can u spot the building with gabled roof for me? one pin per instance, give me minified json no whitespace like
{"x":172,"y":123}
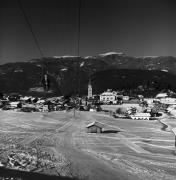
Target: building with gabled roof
{"x":141,"y":116}
{"x":161,"y":95}
{"x":94,"y":127}
{"x":108,"y":96}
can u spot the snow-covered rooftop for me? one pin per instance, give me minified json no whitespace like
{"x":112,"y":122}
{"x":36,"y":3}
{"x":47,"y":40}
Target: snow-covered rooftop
{"x":142,"y":114}
{"x":112,"y":53}
{"x":164,"y":70}
{"x":87,"y":57}
{"x":95,"y":123}
{"x":64,"y":69}
{"x":82,"y":64}
{"x":150,"y":57}
{"x":161,"y":95}
{"x":65,"y":56}
{"x":108,"y":93}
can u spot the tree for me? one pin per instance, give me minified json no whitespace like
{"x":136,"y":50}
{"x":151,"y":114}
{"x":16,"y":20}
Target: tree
{"x":119,"y":111}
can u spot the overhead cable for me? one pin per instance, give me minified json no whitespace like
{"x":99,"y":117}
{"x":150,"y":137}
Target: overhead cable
{"x":30,"y":28}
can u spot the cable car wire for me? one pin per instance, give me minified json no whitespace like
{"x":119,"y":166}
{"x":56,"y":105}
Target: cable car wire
{"x":78,"y":46}
{"x":44,"y":66}
{"x":30,"y":28}
{"x":79,"y":27}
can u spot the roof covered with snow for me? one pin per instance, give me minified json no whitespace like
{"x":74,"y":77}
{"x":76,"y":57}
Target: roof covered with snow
{"x":112,"y":53}
{"x":65,"y":56}
{"x":95,"y":123}
{"x":161,"y":95}
{"x":142,"y":115}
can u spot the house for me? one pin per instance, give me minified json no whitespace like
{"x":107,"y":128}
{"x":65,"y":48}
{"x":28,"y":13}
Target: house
{"x":108,"y":96}
{"x":15,"y":104}
{"x":40,"y":101}
{"x":94,"y":127}
{"x":168,"y":100}
{"x":149,"y":100}
{"x":141,"y":97}
{"x":45,"y":108}
{"x":126,"y":98}
{"x":148,"y":110}
{"x":92,"y":110}
{"x":161,"y":95}
{"x":141,"y":116}
{"x":131,"y":110}
{"x":24,"y":99}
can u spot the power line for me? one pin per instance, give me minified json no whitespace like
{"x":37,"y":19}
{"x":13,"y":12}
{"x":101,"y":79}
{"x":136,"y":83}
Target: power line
{"x":78,"y":46}
{"x":44,"y":66}
{"x":79,"y":27}
{"x":31,"y":29}
{"x":78,"y":53}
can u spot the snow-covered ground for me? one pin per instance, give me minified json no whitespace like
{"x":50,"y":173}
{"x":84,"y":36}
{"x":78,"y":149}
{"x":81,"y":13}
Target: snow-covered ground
{"x":128,"y":149}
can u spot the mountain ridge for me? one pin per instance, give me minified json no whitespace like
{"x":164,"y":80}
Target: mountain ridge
{"x":64,"y":71}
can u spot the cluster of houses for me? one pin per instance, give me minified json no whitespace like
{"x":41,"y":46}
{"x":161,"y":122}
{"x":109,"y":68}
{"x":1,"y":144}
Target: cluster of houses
{"x":152,"y":107}
{"x":162,"y":101}
{"x":29,"y":103}
{"x":87,"y":103}
{"x":118,"y":97}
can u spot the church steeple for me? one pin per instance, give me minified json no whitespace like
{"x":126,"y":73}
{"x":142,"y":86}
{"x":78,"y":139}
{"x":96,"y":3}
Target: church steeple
{"x":89,"y":88}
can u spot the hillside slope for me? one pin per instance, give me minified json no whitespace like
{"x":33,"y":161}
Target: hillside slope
{"x":64,"y":72}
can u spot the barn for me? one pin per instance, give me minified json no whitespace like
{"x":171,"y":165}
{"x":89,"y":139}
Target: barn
{"x":94,"y":127}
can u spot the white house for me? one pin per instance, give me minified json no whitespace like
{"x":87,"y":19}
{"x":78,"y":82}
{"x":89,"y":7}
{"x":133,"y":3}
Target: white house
{"x":126,"y":98}
{"x":149,"y":100}
{"x":108,"y":96}
{"x":45,"y":108}
{"x":40,"y":101}
{"x":161,"y":95}
{"x":15,"y":104}
{"x":141,"y":116}
{"x":168,"y":100}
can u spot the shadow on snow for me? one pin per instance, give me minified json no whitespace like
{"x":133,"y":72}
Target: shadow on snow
{"x":23,"y":175}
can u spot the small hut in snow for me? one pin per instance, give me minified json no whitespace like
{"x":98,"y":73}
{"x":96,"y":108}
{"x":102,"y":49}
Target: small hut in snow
{"x":94,"y":127}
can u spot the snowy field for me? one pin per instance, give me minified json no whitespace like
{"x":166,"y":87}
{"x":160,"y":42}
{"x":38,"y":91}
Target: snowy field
{"x":57,"y":144}
{"x":122,"y":106}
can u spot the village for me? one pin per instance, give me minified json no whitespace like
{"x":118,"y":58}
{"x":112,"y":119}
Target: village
{"x":109,"y":106}
{"x":112,"y":102}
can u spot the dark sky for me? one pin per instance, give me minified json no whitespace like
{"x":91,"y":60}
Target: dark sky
{"x":135,"y":27}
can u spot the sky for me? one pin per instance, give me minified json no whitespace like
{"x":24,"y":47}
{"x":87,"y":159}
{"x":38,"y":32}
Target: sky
{"x":134,"y":27}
